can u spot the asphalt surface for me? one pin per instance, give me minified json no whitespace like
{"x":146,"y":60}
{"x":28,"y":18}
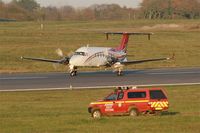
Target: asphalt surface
{"x":45,"y":81}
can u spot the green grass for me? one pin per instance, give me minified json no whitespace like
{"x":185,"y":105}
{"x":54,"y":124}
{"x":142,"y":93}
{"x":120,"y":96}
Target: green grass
{"x":66,"y":111}
{"x":27,"y":39}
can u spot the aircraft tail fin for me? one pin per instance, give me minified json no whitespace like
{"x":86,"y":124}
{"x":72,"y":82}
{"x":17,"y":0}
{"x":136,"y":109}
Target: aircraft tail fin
{"x":125,"y":38}
{"x":123,"y":44}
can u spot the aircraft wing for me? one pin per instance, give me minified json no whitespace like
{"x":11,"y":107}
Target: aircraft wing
{"x":41,"y":59}
{"x":142,"y":61}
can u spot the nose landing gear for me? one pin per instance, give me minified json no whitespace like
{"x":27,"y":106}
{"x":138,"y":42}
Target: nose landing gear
{"x":73,"y":70}
{"x":73,"y":73}
{"x":119,"y":72}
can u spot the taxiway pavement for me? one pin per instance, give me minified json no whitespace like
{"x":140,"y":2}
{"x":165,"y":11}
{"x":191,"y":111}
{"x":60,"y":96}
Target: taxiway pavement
{"x":48,"y":81}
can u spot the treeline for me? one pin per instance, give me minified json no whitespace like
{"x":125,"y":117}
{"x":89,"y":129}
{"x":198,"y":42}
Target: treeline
{"x":149,"y":9}
{"x":162,"y":9}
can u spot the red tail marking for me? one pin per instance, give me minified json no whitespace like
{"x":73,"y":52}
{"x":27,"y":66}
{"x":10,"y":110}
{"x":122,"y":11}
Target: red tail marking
{"x":124,"y":42}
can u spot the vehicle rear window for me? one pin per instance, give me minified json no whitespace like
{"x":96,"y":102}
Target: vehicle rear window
{"x":157,"y":94}
{"x":136,"y":94}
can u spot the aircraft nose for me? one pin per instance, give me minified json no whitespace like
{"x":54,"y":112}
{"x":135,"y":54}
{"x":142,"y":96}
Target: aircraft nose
{"x":72,"y":60}
{"x":75,"y":60}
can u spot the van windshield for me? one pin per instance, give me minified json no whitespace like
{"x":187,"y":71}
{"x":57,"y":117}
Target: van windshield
{"x":157,"y":94}
{"x":113,"y":96}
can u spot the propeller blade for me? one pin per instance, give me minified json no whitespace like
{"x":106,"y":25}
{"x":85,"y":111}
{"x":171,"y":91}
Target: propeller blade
{"x":70,"y":54}
{"x":59,"y":52}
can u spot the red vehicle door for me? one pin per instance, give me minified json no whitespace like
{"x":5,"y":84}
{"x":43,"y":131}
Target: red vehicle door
{"x":114,"y":103}
{"x":109,"y":103}
{"x":119,"y":104}
{"x":139,"y":99}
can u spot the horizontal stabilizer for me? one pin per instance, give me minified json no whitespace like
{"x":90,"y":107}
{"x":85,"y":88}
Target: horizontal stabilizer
{"x":129,"y":33}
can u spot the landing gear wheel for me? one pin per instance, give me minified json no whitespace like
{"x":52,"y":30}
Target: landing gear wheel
{"x":96,"y":114}
{"x":133,"y":113}
{"x":73,"y":73}
{"x":119,"y":73}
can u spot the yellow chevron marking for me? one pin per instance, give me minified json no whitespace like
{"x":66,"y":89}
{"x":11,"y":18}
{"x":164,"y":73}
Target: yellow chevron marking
{"x":165,"y":104}
{"x":162,"y":104}
{"x":153,"y":104}
{"x":156,"y":104}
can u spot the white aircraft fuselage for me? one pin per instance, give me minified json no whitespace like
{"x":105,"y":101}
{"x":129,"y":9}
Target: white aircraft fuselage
{"x":95,"y":56}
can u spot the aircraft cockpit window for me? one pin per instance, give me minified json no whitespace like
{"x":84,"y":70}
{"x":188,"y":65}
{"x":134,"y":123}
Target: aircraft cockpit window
{"x":80,"y":53}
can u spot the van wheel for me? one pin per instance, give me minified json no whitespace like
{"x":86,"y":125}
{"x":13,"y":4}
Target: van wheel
{"x":96,"y":114}
{"x":133,"y":112}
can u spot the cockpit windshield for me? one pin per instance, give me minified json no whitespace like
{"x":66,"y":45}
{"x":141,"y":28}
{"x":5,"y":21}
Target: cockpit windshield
{"x":80,"y":53}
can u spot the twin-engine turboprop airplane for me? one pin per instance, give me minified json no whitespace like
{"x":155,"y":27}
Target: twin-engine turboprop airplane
{"x":100,"y":56}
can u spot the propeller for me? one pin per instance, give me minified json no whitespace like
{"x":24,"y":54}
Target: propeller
{"x":110,"y":59}
{"x":59,"y":52}
{"x":70,"y":54}
{"x":65,"y":59}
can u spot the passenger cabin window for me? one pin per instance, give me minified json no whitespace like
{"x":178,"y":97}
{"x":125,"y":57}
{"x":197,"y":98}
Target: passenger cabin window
{"x":136,"y":94}
{"x":157,"y":94}
{"x":80,"y":53}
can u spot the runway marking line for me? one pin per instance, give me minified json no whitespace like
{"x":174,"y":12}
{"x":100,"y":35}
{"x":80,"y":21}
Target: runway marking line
{"x":18,"y":78}
{"x":95,"y":87}
{"x":166,"y":73}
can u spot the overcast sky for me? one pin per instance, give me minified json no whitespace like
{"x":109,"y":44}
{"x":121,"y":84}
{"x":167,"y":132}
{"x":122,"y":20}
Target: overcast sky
{"x":86,"y":3}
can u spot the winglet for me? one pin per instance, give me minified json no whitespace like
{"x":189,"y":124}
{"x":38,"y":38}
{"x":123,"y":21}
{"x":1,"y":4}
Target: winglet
{"x":173,"y":56}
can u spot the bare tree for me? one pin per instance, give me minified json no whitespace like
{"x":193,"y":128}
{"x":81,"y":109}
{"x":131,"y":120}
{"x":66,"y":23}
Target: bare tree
{"x":67,"y":12}
{"x":159,"y":9}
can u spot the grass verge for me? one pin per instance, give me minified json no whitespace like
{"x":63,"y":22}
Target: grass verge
{"x":66,"y":111}
{"x":27,"y":39}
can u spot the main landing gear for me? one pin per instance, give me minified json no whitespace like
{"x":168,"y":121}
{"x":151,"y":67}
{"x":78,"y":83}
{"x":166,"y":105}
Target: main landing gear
{"x":119,"y":72}
{"x":118,"y":67}
{"x":73,"y":73}
{"x":73,"y":70}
